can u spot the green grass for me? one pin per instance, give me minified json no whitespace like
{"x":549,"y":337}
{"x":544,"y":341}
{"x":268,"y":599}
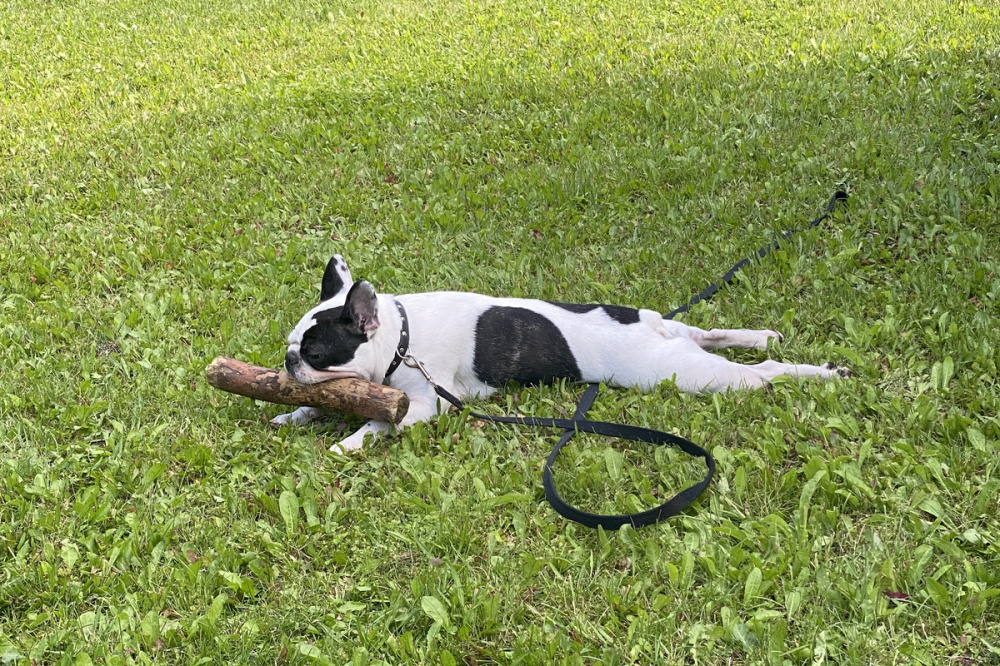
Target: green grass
{"x":175,"y":174}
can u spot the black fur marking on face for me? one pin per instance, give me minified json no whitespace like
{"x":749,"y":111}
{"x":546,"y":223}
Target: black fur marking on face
{"x":620,"y":314}
{"x":331,"y":342}
{"x":516,"y":344}
{"x":332,"y":282}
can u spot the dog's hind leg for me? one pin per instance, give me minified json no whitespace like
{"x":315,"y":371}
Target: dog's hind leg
{"x":724,"y":375}
{"x":720,"y":338}
{"x":695,"y":370}
{"x":771,"y":369}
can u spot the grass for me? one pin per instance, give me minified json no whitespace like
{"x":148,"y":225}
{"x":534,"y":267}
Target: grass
{"x":175,"y":174}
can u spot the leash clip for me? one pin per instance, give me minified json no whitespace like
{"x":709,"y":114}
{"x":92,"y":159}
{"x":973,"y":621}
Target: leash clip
{"x":411,"y":362}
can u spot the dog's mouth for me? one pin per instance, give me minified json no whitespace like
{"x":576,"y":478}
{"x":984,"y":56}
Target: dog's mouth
{"x":313,"y":376}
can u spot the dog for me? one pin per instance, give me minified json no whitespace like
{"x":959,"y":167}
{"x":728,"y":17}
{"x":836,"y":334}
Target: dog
{"x":472,"y":345}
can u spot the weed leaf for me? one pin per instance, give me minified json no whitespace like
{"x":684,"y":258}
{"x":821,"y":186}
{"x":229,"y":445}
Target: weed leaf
{"x":509,"y":498}
{"x":752,"y":586}
{"x":435,"y":610}
{"x":613,"y":461}
{"x":802,"y":522}
{"x":288,"y":504}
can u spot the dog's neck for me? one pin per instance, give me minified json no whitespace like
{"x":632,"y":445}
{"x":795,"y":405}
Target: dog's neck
{"x":386,"y":338}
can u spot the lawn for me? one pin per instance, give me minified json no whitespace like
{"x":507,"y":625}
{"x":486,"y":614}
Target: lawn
{"x":176,"y":173}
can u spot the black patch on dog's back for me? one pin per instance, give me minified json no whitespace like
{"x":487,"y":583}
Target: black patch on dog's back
{"x":520,"y":345}
{"x":619,"y":313}
{"x":330,"y":342}
{"x":576,"y":307}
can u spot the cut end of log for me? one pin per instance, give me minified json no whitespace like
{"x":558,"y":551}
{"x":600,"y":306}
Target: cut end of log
{"x":355,"y":396}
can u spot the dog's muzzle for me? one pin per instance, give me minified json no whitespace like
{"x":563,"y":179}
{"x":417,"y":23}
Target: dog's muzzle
{"x":292,"y":360}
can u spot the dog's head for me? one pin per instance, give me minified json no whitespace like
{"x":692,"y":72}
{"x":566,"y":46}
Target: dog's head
{"x":334,"y":338}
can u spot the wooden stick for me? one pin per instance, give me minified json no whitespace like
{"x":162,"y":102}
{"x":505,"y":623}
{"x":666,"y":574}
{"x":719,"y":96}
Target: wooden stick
{"x":357,"y":396}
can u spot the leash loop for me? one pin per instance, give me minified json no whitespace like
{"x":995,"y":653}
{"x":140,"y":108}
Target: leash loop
{"x":579,"y":423}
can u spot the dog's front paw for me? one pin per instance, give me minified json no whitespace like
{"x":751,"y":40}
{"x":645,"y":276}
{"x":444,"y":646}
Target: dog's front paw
{"x":282,"y":420}
{"x":835,"y":370}
{"x":348,"y":444}
{"x":357,"y":440}
{"x":300,"y":416}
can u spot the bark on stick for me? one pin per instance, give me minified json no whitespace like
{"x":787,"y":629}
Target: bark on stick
{"x":357,"y":396}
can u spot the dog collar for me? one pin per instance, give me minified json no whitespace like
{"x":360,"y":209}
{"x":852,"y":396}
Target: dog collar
{"x":404,"y":341}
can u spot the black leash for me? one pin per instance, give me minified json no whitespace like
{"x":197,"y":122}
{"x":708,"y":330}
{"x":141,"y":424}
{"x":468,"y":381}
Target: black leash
{"x":580,"y":422}
{"x":838,"y":197}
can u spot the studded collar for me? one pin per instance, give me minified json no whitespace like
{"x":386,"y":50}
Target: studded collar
{"x":404,"y":341}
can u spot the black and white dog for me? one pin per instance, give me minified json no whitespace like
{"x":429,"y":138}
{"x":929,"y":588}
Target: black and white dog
{"x":473,"y":344}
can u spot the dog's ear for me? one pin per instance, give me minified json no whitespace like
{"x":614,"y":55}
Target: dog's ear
{"x":336,"y":278}
{"x":361,"y":308}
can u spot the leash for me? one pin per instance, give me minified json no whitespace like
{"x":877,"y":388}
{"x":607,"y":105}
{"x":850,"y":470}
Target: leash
{"x":580,"y":422}
{"x":839,"y":196}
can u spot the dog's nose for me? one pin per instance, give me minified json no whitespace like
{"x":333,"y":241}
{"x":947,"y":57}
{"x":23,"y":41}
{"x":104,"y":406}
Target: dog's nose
{"x":292,"y":359}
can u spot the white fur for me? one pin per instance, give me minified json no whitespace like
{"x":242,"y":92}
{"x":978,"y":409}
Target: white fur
{"x":442,"y":337}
